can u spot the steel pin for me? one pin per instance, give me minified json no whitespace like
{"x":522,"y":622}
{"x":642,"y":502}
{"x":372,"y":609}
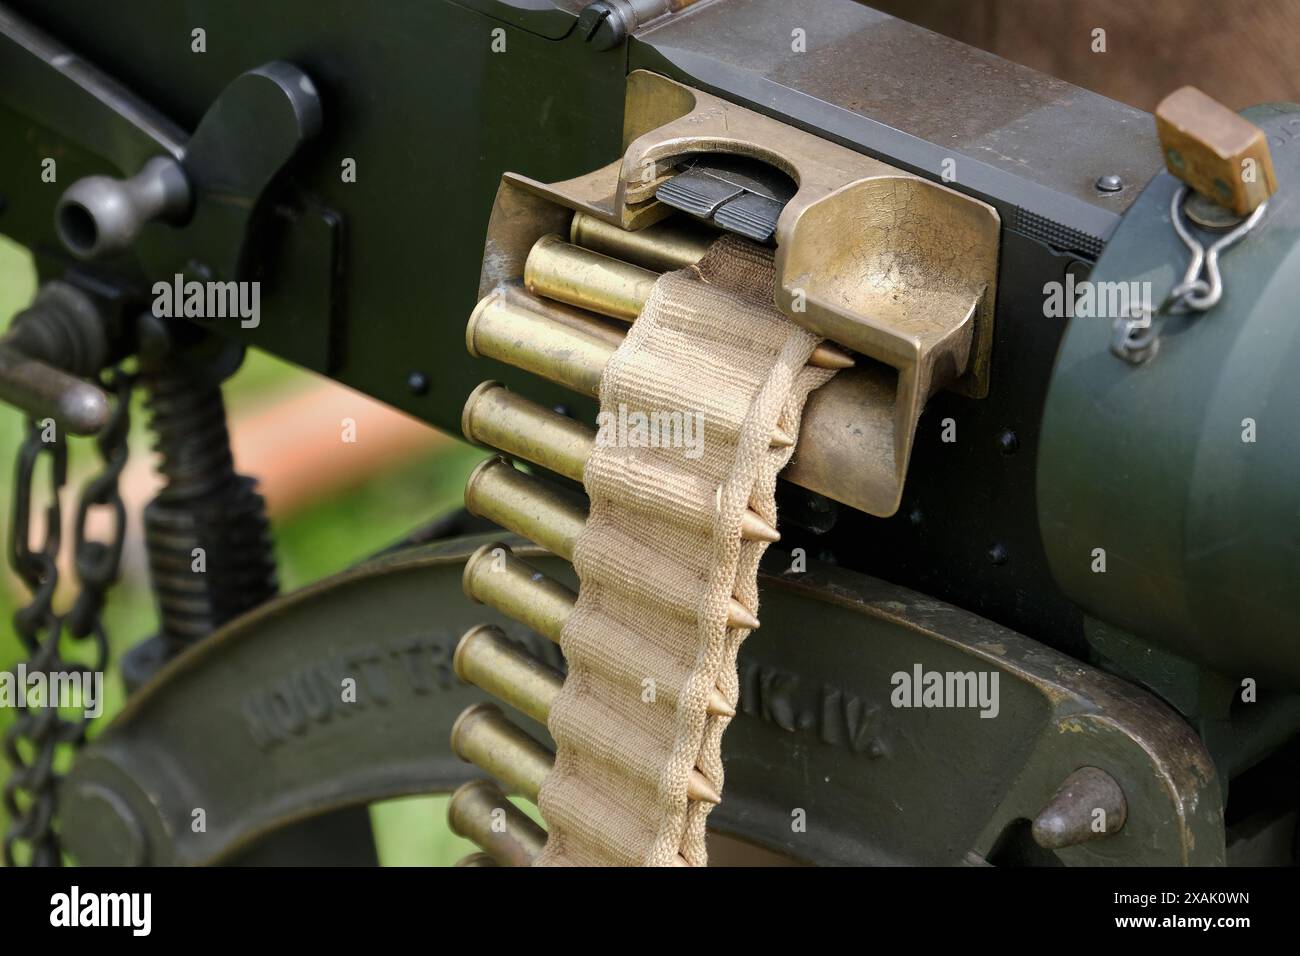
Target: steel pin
{"x":1068,"y":818}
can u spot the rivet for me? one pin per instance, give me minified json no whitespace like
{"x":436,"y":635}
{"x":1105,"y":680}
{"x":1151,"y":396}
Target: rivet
{"x":418,"y":383}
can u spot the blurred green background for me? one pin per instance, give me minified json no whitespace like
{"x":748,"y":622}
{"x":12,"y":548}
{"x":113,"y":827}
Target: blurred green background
{"x":314,"y":542}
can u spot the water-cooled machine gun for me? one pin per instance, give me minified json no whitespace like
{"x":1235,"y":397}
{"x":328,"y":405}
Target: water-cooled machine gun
{"x":1032,"y":594}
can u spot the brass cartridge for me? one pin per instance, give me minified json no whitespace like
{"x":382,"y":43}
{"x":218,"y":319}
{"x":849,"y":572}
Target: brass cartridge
{"x":475,"y":813}
{"x":663,"y":247}
{"x":495,"y":577}
{"x":490,"y":661}
{"x":567,"y":273}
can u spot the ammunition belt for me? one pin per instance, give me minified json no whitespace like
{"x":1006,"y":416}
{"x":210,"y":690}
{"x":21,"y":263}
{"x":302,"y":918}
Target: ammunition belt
{"x":662,"y":563}
{"x":700,"y":405}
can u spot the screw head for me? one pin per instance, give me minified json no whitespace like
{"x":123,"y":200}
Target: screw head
{"x":1008,"y":442}
{"x":998,"y":555}
{"x":601,"y":25}
{"x":418,"y":383}
{"x":1109,"y":183}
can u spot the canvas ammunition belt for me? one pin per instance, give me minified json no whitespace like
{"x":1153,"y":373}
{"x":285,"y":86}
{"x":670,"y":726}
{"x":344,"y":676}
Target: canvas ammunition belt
{"x":689,"y":403}
{"x":700,"y":404}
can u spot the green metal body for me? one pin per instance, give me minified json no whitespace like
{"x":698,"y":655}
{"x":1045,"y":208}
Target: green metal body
{"x":370,"y":283}
{"x":251,"y":726}
{"x":1186,"y":470}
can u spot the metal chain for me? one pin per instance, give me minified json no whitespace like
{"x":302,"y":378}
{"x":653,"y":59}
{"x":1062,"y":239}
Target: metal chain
{"x":1135,"y":338}
{"x":33,"y":741}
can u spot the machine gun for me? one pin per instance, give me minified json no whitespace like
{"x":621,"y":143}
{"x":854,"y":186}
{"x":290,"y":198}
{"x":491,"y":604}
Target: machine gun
{"x":1034,"y":596}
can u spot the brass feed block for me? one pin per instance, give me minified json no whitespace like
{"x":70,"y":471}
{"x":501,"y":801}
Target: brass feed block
{"x":880,"y":262}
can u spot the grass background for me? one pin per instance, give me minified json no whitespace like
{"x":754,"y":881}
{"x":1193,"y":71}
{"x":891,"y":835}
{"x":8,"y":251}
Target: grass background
{"x":309,"y":545}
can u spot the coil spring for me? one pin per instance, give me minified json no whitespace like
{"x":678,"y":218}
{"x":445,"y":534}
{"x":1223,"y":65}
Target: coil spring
{"x":208,"y":538}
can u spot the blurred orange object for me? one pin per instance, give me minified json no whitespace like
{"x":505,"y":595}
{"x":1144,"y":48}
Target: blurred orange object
{"x":304,"y":447}
{"x":313,"y":444}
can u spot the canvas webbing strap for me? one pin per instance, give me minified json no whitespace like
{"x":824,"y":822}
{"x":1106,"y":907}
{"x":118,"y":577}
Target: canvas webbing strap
{"x":712,"y":361}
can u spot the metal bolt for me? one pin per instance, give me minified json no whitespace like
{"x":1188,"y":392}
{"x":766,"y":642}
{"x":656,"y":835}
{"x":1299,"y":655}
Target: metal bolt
{"x":418,"y":383}
{"x":1109,"y":183}
{"x":1008,"y":442}
{"x":601,"y":25}
{"x":998,"y":555}
{"x":1087,"y":796}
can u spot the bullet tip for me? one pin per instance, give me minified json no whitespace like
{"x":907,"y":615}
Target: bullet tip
{"x":719,"y":707}
{"x":754,"y":528}
{"x":828,"y":356}
{"x":741,"y":616}
{"x":699,"y":788}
